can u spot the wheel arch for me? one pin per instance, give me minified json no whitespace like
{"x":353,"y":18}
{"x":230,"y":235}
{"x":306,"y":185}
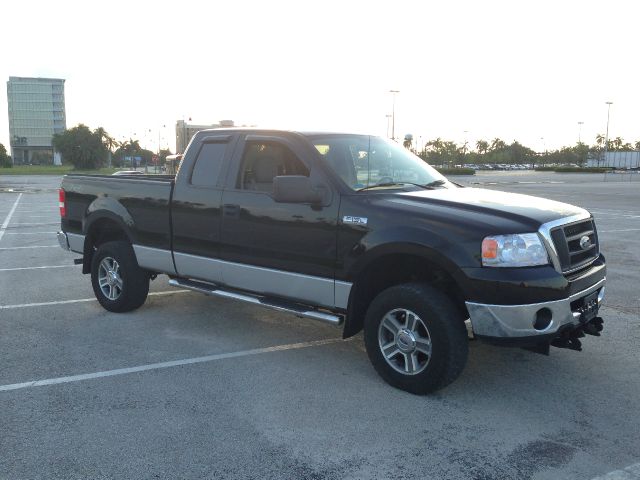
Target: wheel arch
{"x":101,"y":227}
{"x":396,"y":264}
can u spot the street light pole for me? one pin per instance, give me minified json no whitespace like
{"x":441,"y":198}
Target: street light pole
{"x":606,"y":137}
{"x":581,"y":158}
{"x":388,"y":116}
{"x":580,"y":132}
{"x":393,"y":114}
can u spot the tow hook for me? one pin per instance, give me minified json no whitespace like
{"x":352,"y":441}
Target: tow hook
{"x":594,"y":327}
{"x":570,"y":338}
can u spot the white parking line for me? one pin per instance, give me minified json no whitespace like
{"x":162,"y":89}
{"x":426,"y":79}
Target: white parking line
{"x":37,"y":268}
{"x":32,"y":246}
{"x":622,"y":230}
{"x":161,"y":365}
{"x":79,"y":300}
{"x":8,"y":219}
{"x":34,"y":224}
{"x":53,"y":212}
{"x":30,"y":233}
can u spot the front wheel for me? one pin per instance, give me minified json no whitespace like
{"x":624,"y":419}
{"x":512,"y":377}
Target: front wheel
{"x":119,"y":284}
{"x":415,"y":338}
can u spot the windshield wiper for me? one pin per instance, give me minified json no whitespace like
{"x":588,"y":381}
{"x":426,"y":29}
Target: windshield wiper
{"x":429,"y":186}
{"x":435,"y":183}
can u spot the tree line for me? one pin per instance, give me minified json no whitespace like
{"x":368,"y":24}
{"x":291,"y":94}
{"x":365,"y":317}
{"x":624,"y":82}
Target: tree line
{"x":91,"y":149}
{"x":87,"y":149}
{"x":5,"y":160}
{"x":497,"y":151}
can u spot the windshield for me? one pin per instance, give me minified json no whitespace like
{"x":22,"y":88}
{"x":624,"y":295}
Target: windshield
{"x":364,"y":162}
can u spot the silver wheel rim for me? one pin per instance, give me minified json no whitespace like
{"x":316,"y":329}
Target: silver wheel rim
{"x":405,"y":341}
{"x":109,"y":278}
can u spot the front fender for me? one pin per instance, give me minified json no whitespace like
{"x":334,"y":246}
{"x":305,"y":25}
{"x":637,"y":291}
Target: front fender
{"x":436,"y":248}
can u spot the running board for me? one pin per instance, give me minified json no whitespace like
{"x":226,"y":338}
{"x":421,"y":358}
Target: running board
{"x":299,"y":310}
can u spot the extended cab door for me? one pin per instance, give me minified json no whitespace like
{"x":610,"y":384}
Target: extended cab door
{"x":283,"y":249}
{"x":196,"y":206}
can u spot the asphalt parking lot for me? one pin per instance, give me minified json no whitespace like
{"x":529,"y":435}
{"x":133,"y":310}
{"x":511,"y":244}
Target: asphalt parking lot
{"x":194,"y":387}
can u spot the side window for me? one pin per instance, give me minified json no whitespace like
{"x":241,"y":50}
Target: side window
{"x":262,"y":161}
{"x":208,"y":164}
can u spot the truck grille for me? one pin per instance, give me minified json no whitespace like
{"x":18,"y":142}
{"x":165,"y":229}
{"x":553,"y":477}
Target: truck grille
{"x":575,"y":253}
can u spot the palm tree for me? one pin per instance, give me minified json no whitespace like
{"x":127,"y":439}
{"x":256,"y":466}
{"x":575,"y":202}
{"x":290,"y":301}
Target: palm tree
{"x":130,"y":148}
{"x":617,"y":143}
{"x":108,"y":141}
{"x":600,"y":140}
{"x":482,"y":146}
{"x":408,"y":140}
{"x":497,"y":144}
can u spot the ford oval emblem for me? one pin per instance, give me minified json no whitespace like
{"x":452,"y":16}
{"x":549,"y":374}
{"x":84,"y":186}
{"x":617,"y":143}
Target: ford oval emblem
{"x":585,"y":242}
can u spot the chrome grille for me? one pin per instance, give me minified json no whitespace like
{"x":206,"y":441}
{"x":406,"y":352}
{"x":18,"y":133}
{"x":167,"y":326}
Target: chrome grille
{"x":574,"y":251}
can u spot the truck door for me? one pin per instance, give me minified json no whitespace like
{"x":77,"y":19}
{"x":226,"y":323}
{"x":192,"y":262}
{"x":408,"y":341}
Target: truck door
{"x":196,"y":207}
{"x":283,"y":249}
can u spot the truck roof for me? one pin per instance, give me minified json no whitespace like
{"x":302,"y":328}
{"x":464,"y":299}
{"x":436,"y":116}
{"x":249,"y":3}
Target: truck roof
{"x":306,"y":133}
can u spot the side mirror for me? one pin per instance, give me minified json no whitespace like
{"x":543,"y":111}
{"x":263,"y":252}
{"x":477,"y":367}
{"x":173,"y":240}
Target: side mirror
{"x":295,"y":189}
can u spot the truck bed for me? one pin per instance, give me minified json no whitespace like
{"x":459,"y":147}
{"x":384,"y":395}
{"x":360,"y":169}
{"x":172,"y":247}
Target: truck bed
{"x":142,"y":202}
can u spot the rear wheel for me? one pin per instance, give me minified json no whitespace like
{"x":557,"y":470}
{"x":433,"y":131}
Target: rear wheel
{"x":415,"y":338}
{"x":119,"y":284}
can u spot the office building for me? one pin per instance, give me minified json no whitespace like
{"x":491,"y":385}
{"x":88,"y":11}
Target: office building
{"x":185,"y":131}
{"x":36,"y":112}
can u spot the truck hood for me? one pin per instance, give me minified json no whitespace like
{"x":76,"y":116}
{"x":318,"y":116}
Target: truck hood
{"x":525,"y":209}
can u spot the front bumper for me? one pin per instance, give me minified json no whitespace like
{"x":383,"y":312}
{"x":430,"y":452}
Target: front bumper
{"x":518,"y":321}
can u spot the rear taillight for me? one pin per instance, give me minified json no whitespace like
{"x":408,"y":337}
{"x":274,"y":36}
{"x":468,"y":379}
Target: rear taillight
{"x":62,"y":203}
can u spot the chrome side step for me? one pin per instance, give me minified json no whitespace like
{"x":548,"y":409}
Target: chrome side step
{"x":299,"y":310}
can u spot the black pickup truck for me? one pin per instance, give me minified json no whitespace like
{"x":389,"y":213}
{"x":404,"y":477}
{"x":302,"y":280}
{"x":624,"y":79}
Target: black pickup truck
{"x":353,"y":230}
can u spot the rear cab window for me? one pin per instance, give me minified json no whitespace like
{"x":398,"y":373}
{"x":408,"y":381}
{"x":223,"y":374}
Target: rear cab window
{"x":208,"y":164}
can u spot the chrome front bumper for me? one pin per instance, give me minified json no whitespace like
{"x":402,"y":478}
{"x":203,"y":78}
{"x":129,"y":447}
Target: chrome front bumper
{"x":517,"y":321}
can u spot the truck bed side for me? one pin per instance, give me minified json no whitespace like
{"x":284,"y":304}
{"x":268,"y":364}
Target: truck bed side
{"x":100,"y":205}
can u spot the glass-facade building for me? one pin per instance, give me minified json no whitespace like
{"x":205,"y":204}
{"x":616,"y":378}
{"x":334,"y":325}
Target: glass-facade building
{"x":36,"y":112}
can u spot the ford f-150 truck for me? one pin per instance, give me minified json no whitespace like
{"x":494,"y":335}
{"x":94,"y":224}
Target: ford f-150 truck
{"x":353,"y":230}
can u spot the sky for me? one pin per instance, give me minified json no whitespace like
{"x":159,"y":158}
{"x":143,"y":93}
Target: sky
{"x":465,"y":70}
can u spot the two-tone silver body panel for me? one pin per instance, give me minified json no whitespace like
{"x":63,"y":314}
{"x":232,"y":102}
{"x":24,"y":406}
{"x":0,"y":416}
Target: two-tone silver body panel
{"x":71,"y":242}
{"x":156,"y":259}
{"x":304,"y":288}
{"x":325,"y":292}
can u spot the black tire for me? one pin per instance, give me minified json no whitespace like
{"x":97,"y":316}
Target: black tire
{"x":445,"y":338}
{"x":133,"y":281}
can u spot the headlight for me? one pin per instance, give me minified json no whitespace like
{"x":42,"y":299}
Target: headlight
{"x":519,"y":250}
